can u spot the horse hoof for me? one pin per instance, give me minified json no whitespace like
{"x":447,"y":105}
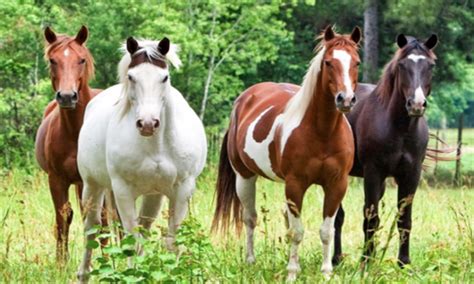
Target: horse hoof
{"x":169,"y":244}
{"x":403,"y":261}
{"x":337,"y":259}
{"x":82,"y":277}
{"x":327,"y":271}
{"x":250,"y":259}
{"x":291,"y":277}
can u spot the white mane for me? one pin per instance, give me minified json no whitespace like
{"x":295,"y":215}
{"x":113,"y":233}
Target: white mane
{"x":150,"y":48}
{"x":297,"y":106}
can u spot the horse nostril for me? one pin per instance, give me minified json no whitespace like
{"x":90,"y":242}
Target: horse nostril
{"x":74,"y":96}
{"x":425,"y":104}
{"x":353,"y":100}
{"x":58,"y":95}
{"x":339,"y":98}
{"x":139,"y":123}
{"x":409,"y":102}
{"x":156,"y":123}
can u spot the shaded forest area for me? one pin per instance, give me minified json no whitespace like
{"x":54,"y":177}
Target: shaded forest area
{"x":226,"y":46}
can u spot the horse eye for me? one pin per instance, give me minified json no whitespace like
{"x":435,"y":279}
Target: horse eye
{"x":328,"y":63}
{"x":82,"y":61}
{"x":131,"y":78}
{"x":358,"y":63}
{"x":165,"y":79}
{"x":52,"y":62}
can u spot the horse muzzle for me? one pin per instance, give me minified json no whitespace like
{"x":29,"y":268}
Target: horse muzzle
{"x":67,"y":100}
{"x":344,"y":103}
{"x":147,"y":127}
{"x":416,"y":108}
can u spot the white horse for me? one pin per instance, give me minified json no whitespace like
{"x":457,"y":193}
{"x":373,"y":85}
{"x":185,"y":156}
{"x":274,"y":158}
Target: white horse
{"x":140,"y":137}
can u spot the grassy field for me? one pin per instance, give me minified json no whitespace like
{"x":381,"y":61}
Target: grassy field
{"x":442,"y":237}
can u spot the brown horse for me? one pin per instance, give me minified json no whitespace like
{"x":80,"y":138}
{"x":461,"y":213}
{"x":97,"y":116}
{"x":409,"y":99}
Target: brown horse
{"x":71,"y":66}
{"x":391,"y":137}
{"x":295,"y":135}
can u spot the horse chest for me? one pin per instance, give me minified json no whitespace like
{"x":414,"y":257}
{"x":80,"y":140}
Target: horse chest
{"x":153,"y":173}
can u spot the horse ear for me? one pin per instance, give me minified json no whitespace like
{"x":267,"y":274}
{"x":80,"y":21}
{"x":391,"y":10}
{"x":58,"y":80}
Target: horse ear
{"x":81,"y":36}
{"x":431,"y":42}
{"x":328,"y":33}
{"x":401,"y":40}
{"x":356,"y":34}
{"x":164,"y":46}
{"x":49,"y":35}
{"x":132,"y":45}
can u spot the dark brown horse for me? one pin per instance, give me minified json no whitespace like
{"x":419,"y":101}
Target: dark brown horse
{"x":71,"y":66}
{"x":294,"y":135}
{"x":391,"y":137}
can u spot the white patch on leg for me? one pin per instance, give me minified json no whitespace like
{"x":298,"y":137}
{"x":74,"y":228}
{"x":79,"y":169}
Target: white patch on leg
{"x":246,"y":194}
{"x":295,"y":234}
{"x":259,"y":151}
{"x":326,"y":232}
{"x":419,"y":96}
{"x":416,"y":57}
{"x":66,"y":52}
{"x":345,"y":58}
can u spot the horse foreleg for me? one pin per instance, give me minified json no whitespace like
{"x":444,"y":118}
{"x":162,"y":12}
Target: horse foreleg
{"x":150,"y":209}
{"x":406,"y":192}
{"x":178,"y":210}
{"x":59,"y":192}
{"x":337,"y":257}
{"x":294,"y":191}
{"x":333,"y":195}
{"x":374,"y":189}
{"x":92,"y":200}
{"x":125,"y":201}
{"x":246,"y":193}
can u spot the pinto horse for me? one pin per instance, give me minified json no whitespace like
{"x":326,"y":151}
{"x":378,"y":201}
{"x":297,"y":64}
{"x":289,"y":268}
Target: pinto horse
{"x":71,"y":66}
{"x":140,"y":138}
{"x":391,"y":137}
{"x":294,"y":135}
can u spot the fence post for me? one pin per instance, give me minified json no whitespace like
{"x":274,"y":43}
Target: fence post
{"x":436,"y":152}
{"x":457,"y":175}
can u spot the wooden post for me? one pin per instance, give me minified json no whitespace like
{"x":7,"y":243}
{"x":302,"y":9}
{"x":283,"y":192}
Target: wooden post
{"x":436,"y":153}
{"x":457,"y":175}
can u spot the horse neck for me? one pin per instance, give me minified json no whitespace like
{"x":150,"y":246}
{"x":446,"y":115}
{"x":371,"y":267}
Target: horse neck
{"x":322,"y":115}
{"x":71,"y":119}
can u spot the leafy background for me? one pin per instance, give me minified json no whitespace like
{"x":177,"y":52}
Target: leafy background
{"x":225,"y":46}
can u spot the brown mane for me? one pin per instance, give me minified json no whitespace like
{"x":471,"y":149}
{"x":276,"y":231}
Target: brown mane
{"x":386,"y":83}
{"x":66,"y":41}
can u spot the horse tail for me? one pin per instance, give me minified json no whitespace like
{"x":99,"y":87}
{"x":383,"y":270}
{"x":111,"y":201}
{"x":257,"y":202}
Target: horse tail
{"x":441,"y":154}
{"x":228,"y":202}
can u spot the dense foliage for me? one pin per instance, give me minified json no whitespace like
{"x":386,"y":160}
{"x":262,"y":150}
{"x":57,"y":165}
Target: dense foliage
{"x":225,"y":46}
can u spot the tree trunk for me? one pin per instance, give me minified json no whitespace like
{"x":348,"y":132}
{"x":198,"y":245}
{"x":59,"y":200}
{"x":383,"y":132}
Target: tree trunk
{"x":371,"y":41}
{"x":210,"y":73}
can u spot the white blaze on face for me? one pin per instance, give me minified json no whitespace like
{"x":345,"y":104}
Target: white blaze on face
{"x":66,"y":52}
{"x":259,"y":151}
{"x":416,"y":57}
{"x":345,"y":59}
{"x":419,"y":96}
{"x":149,"y":90}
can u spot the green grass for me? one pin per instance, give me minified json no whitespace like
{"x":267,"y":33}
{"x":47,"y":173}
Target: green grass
{"x":441,"y":248}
